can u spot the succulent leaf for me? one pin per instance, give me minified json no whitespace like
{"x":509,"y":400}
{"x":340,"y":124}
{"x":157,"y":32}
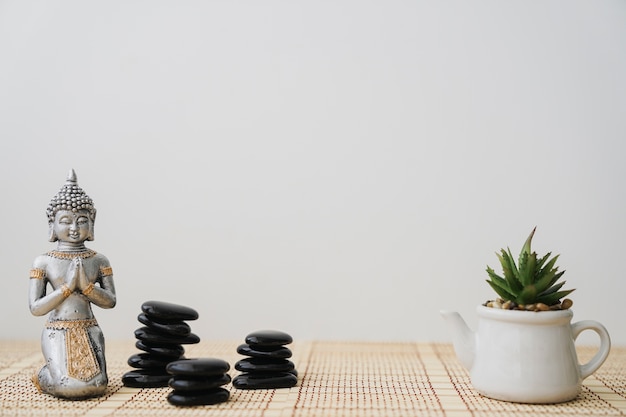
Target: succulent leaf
{"x":502,"y":291}
{"x":548,"y":267}
{"x":543,"y":260}
{"x":527,"y":296}
{"x":527,"y":267}
{"x":529,"y":239}
{"x":493,"y":274}
{"x":512,"y":265}
{"x":553,"y":298}
{"x":548,"y":280}
{"x":510,"y":273}
{"x":523,"y":268}
{"x":552,"y":289}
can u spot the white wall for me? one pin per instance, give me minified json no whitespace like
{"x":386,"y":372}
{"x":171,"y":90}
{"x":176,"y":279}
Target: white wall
{"x":335,"y":169}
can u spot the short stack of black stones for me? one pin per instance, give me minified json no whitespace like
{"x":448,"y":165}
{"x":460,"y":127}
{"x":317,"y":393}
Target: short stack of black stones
{"x":268,"y":365}
{"x":198,"y":381}
{"x":161,"y":340}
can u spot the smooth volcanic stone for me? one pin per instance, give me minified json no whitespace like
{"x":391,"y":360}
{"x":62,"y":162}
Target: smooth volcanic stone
{"x":146,"y":334}
{"x":185,"y":398}
{"x":147,"y":361}
{"x":264,"y":365}
{"x":146,"y":378}
{"x":198,"y":367}
{"x":187,"y":383}
{"x":168,"y":311}
{"x":264,"y":381}
{"x":268,"y":338}
{"x":176,"y":328}
{"x":171,"y":352}
{"x":279,"y":352}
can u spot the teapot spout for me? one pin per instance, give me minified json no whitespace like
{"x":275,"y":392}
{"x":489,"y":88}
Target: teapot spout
{"x":464,"y":339}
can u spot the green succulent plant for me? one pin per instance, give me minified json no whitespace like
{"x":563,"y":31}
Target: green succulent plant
{"x":532,"y":280}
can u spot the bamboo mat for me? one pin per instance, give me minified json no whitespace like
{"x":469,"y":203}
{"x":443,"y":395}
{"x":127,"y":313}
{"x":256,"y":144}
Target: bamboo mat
{"x":335,"y":379}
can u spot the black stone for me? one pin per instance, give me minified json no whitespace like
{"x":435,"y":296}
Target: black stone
{"x":198,"y":367}
{"x":146,"y":334}
{"x":172,"y":352}
{"x":268,"y":338}
{"x":145,"y":378}
{"x":187,"y":383}
{"x":264,"y":381}
{"x":186,"y":398}
{"x":168,"y":311}
{"x":264,"y":365}
{"x":147,"y":361}
{"x":279,"y":352}
{"x":176,"y":328}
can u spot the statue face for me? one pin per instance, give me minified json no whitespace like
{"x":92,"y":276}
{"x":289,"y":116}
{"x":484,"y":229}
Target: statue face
{"x":72,"y":227}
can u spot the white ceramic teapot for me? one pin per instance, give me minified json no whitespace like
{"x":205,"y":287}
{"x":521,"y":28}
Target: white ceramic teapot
{"x":524,"y":356}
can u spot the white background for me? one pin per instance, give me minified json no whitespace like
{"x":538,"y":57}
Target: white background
{"x":333,"y":169}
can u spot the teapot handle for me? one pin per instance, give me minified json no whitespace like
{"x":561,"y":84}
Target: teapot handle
{"x":605,"y":345}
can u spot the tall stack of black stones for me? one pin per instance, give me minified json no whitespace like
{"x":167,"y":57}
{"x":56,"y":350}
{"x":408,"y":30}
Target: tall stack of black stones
{"x":198,"y":381}
{"x":161,"y":339}
{"x":267,"y":365}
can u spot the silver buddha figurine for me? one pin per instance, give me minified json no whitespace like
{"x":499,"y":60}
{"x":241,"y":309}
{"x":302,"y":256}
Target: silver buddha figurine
{"x":65,"y":282}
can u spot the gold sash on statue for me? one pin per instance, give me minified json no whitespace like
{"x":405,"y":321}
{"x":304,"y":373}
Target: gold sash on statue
{"x":81,"y":359}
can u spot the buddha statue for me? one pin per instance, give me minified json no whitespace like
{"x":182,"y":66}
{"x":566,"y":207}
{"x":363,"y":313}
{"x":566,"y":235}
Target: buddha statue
{"x":65,"y":282}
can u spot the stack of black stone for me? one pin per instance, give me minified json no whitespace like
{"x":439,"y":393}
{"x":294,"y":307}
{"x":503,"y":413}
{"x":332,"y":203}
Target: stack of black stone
{"x":161,"y":340}
{"x":198,"y":381}
{"x":268,"y":365}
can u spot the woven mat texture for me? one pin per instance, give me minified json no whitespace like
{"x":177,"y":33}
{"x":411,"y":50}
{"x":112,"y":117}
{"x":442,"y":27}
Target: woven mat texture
{"x":335,"y":379}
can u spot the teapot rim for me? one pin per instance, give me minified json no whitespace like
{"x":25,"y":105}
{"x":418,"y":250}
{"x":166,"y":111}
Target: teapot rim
{"x":521,"y":316}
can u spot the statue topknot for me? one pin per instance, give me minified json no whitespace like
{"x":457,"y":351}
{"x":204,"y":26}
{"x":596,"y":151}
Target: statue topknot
{"x":70,"y":197}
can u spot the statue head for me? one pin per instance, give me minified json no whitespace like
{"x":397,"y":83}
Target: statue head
{"x":71,"y":203}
